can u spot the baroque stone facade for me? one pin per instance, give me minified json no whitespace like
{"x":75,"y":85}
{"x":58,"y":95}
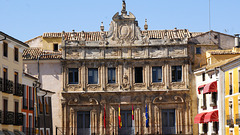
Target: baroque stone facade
{"x":133,"y":55}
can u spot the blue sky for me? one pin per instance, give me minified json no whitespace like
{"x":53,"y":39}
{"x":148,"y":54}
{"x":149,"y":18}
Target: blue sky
{"x":26,"y":19}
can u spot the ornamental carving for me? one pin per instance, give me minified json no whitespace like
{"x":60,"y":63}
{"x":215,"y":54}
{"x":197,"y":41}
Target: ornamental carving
{"x":125,"y":84}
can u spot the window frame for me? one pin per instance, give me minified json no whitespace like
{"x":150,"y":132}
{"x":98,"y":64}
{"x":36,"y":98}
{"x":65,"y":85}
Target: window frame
{"x":175,"y":67}
{"x":135,"y":75}
{"x":5,"y":49}
{"x":230,"y":83}
{"x":198,"y":50}
{"x":16,"y":54}
{"x":91,"y":78}
{"x":55,"y":49}
{"x":111,"y":70}
{"x":74,"y":72}
{"x":153,"y":79}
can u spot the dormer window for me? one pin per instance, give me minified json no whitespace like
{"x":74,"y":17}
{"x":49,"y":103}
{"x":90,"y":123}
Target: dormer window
{"x":55,"y":47}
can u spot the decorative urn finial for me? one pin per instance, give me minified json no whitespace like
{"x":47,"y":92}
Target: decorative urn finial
{"x":102,"y":27}
{"x":146,"y":25}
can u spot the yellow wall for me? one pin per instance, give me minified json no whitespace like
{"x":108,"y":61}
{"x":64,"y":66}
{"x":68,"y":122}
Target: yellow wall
{"x":48,"y":43}
{"x":233,"y":97}
{"x":12,"y":66}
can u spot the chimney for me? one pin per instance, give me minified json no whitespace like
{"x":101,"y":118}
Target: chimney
{"x":236,"y":40}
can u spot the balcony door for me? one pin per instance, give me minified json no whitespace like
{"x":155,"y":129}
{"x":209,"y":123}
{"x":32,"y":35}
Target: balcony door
{"x":83,"y":123}
{"x":168,"y":121}
{"x":127,"y":129}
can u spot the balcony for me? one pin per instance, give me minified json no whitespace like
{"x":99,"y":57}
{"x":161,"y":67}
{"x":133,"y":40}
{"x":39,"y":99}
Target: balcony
{"x":25,"y":101}
{"x":18,"y":119}
{"x":18,"y":91}
{"x":8,"y":118}
{"x":237,"y":116}
{"x":230,"y":121}
{"x":7,"y":86}
{"x":31,"y":107}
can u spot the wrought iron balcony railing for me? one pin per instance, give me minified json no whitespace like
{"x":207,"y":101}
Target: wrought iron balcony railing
{"x":18,"y":91}
{"x":7,"y":86}
{"x":237,"y":116}
{"x":18,"y":119}
{"x":230,"y":121}
{"x":8,"y":118}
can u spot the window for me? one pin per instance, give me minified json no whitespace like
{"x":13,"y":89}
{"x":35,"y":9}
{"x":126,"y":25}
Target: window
{"x":214,"y":99}
{"x":5,"y":78}
{"x":205,"y":127}
{"x":203,"y":76}
{"x":24,"y":123}
{"x":111,"y":75}
{"x":230,"y":84}
{"x":30,"y":125}
{"x":176,"y":73}
{"x":73,"y":76}
{"x":5,"y":109}
{"x":156,"y":74}
{"x":30,"y":90}
{"x":92,"y":76}
{"x":16,"y":112}
{"x":15,"y":54}
{"x":215,"y":127}
{"x":15,"y":82}
{"x":204,"y":106}
{"x":138,"y":75}
{"x":5,"y":49}
{"x":24,"y":96}
{"x":198,"y":50}
{"x":55,"y":47}
{"x":40,"y":104}
{"x":46,"y":105}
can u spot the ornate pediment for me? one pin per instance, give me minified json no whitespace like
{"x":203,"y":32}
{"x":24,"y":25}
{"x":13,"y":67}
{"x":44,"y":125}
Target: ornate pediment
{"x":124,"y":29}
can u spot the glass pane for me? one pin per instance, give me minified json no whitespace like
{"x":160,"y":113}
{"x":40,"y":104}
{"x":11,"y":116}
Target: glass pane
{"x":80,"y":120}
{"x":159,"y":74}
{"x":113,"y":75}
{"x":138,"y":75}
{"x":171,"y":119}
{"x":95,"y":76}
{"x":164,"y":119}
{"x":129,"y":120}
{"x":173,"y":74}
{"x":70,"y":76}
{"x":123,"y":119}
{"x":76,"y":76}
{"x":87,"y":120}
{"x":109,"y":76}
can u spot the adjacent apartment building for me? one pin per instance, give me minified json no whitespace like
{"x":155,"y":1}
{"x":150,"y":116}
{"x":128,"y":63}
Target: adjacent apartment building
{"x":11,"y":90}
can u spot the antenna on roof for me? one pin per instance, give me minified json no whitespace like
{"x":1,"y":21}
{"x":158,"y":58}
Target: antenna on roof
{"x":209,"y":22}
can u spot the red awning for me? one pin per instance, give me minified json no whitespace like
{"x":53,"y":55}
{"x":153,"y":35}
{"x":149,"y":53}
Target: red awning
{"x":199,"y":88}
{"x":211,"y":116}
{"x":200,"y":117}
{"x":210,"y":87}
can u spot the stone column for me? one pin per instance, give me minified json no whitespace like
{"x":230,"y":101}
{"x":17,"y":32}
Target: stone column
{"x":83,"y":77}
{"x":93,"y":121}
